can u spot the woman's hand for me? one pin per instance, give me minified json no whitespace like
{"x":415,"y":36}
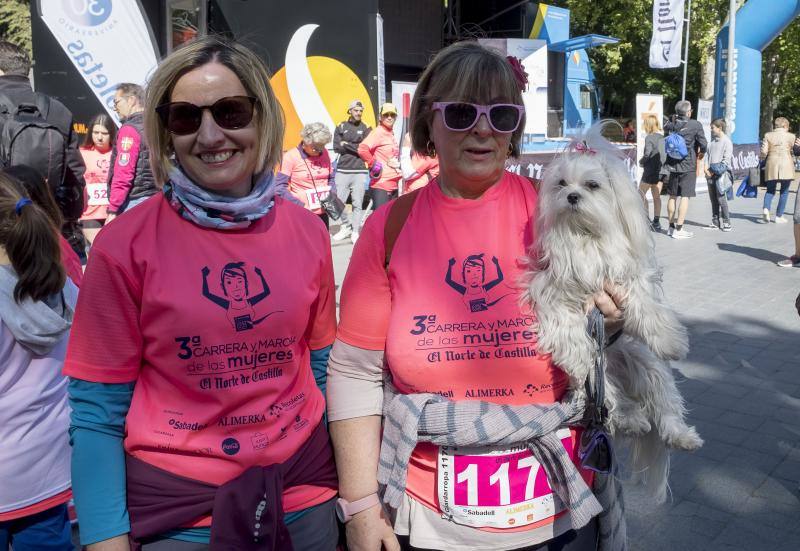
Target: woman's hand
{"x":611,"y":303}
{"x":370,"y":530}
{"x":117,"y":543}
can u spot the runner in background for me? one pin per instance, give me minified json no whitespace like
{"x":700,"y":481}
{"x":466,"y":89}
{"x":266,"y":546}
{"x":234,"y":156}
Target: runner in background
{"x":351,"y":172}
{"x":36,"y":306}
{"x":96,"y":153}
{"x":418,"y":169}
{"x":382,"y":155}
{"x":308,"y":168}
{"x":199,"y":349}
{"x":130,"y":180}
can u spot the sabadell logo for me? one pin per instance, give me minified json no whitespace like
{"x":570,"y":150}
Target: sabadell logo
{"x":88,"y":13}
{"x":230,"y":446}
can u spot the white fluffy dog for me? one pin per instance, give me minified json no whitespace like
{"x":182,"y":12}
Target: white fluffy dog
{"x":592,"y":229}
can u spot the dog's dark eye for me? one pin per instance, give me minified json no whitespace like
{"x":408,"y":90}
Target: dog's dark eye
{"x":591,"y":184}
{"x":562,"y":183}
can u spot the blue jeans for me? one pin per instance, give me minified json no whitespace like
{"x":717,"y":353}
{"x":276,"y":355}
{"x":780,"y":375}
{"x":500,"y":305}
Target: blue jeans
{"x":46,"y":531}
{"x":771,"y":185}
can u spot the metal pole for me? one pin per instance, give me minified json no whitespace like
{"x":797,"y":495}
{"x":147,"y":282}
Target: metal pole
{"x":730,"y":69}
{"x":686,"y":51}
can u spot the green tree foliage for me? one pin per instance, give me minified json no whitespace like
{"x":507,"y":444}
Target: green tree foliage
{"x":622,"y":70}
{"x":15,"y":22}
{"x":780,"y":79}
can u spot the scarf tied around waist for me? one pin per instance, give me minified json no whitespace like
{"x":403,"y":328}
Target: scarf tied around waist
{"x":247,"y":510}
{"x":413,"y":418}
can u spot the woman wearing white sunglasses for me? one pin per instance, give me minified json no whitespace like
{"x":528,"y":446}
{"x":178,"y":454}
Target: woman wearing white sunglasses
{"x":409,"y":343}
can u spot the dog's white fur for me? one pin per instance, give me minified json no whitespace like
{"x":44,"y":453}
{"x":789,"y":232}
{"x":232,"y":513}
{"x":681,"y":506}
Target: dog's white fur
{"x":603,"y":236}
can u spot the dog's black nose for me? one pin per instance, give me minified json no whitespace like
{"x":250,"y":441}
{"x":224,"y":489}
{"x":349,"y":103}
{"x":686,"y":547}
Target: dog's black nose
{"x":573,"y":198}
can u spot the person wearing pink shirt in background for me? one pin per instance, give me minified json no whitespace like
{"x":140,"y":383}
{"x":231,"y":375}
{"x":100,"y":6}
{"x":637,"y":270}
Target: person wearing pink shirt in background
{"x":308,"y":168}
{"x":96,"y":153}
{"x":382,"y":155}
{"x":130,"y":180}
{"x":418,"y":169}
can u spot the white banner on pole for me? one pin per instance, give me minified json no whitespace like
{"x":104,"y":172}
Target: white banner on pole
{"x":108,"y":41}
{"x":665,"y":45}
{"x":646,"y":105}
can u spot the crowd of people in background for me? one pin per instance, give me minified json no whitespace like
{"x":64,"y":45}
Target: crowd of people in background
{"x":672,"y":170}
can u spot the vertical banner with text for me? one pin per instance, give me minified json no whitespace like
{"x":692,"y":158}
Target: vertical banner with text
{"x":646,"y":105}
{"x":665,"y":45}
{"x":108,"y":41}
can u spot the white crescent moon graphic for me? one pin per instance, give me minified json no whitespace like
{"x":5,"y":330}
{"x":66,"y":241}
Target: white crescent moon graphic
{"x":304,"y":94}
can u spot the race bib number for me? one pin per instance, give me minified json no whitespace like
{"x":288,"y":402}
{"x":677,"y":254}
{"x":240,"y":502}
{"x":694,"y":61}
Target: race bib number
{"x":98,"y":194}
{"x":313,"y":198}
{"x":495,"y":488}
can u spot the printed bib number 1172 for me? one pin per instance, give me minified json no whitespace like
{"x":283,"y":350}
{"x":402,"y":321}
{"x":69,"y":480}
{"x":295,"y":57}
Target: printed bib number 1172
{"x":502,"y":488}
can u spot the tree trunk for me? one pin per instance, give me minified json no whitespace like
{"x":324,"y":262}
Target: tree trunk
{"x":769,"y":102}
{"x":707,"y":76}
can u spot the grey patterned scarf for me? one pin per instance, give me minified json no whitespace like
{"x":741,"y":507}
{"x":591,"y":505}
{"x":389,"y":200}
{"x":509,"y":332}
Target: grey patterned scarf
{"x":212,"y":210}
{"x":413,"y":418}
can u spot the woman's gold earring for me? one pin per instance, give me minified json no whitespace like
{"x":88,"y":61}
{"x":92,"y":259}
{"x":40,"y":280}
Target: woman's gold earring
{"x":510,"y":150}
{"x":430,"y":149}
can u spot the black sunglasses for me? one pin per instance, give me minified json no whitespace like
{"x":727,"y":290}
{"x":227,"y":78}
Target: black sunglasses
{"x":231,"y":113}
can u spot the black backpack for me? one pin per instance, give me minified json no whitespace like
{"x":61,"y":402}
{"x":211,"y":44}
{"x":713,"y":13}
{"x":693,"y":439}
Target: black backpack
{"x":28,"y":138}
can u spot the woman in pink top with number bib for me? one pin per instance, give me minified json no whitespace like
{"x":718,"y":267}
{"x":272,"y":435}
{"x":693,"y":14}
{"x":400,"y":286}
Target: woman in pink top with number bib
{"x":199,"y":348}
{"x":96,"y":153}
{"x":439,"y":314}
{"x":308,"y":168}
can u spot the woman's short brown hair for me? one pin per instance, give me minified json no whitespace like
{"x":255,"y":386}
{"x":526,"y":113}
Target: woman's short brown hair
{"x":253,"y":74}
{"x":464,"y":71}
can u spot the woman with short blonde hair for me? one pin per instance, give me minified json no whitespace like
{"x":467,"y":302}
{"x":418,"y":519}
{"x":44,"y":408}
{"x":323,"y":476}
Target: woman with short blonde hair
{"x":776,"y":150}
{"x":199,"y":348}
{"x":652,"y":162}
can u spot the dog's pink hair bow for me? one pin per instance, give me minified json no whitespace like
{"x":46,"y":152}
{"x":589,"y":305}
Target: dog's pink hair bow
{"x":519,"y":72}
{"x":582,"y":147}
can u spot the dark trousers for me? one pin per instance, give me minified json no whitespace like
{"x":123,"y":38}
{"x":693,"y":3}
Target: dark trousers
{"x":381,"y":197}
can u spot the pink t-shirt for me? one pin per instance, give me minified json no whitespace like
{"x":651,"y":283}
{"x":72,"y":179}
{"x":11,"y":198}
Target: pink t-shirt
{"x":381,"y":146}
{"x":427,"y":168}
{"x":309,"y":177}
{"x":448,"y":315}
{"x":215,"y":327}
{"x":96,"y":193}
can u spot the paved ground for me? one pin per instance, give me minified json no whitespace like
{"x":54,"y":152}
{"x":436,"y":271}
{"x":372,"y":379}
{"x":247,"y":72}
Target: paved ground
{"x":742,"y":385}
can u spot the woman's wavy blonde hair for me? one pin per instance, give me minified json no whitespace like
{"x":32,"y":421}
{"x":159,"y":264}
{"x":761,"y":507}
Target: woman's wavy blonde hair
{"x":268,"y":117}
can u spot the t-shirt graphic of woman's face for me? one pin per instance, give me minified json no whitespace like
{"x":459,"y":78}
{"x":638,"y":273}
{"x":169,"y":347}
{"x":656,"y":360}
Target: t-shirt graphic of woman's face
{"x":235,"y":287}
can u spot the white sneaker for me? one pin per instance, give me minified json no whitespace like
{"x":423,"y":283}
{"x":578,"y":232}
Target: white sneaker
{"x":765,"y":215}
{"x":670,"y":231}
{"x":682,"y":234}
{"x":780,"y":220}
{"x":354,"y":237}
{"x":343,"y":233}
